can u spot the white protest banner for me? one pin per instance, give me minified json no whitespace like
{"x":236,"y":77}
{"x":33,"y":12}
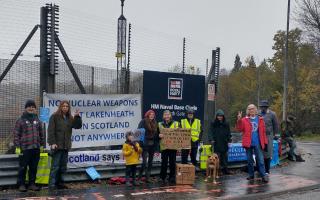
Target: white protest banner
{"x":78,"y":159}
{"x":105,"y":118}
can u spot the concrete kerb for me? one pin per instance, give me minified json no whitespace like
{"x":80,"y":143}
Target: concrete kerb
{"x":268,"y":195}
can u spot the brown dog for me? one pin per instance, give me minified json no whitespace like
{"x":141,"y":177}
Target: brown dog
{"x":213,"y":165}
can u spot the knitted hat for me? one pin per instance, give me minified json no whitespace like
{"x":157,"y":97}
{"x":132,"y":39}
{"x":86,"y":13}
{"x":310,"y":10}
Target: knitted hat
{"x":219,"y":112}
{"x":30,"y":103}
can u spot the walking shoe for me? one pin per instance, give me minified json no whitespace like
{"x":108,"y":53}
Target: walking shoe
{"x":299,"y":159}
{"x":265,"y":179}
{"x":250,"y":178}
{"x":33,"y":187}
{"x":22,"y":188}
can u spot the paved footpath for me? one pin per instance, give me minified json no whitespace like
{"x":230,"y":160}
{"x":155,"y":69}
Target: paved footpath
{"x":293,"y":178}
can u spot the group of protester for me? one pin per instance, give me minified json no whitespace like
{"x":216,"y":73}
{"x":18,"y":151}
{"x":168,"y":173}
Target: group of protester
{"x":29,"y":139}
{"x":258,"y":131}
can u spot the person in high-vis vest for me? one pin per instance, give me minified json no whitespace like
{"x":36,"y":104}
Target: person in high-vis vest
{"x":196,"y":133}
{"x":168,"y":154}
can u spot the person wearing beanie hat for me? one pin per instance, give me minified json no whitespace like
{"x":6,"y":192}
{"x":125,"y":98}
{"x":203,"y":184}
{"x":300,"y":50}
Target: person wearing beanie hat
{"x":272,"y":129}
{"x":220,"y":137}
{"x":190,"y":122}
{"x":28,"y":137}
{"x":30,"y":103}
{"x":150,"y":125}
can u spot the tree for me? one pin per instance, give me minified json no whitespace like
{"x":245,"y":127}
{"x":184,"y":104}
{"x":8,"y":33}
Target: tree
{"x":250,"y":62}
{"x":237,"y":64}
{"x":308,"y":15}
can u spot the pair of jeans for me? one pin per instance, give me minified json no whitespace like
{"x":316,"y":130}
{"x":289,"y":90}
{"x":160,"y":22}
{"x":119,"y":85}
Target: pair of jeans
{"x":131,"y":172}
{"x":257,"y":151}
{"x":168,"y":155}
{"x":223,"y":157}
{"x":193,"y":154}
{"x":58,"y":167}
{"x":147,"y":159}
{"x":29,"y":159}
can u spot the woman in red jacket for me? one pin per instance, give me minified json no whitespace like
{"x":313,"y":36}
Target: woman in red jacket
{"x":254,"y":139}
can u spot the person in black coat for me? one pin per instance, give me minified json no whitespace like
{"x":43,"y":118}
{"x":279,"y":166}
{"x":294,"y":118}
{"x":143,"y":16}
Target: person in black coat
{"x":220,"y":137}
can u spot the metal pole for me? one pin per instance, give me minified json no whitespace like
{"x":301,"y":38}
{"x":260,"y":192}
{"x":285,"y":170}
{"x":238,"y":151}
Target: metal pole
{"x":15,"y":57}
{"x":183,"y":55}
{"x":207,"y":67}
{"x":285,"y":73}
{"x":92,"y":80}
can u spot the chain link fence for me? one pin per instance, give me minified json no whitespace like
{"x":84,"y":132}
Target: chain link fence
{"x":23,"y":82}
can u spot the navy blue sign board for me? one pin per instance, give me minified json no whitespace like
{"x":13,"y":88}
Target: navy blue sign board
{"x":175,"y":92}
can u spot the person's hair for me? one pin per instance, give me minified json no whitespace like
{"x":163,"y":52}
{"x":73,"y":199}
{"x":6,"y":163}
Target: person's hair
{"x":251,"y":106}
{"x":59,"y":111}
{"x":167,"y":112}
{"x":129,"y":133}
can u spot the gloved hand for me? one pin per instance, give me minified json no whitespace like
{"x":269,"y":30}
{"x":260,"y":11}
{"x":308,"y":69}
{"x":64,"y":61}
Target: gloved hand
{"x":18,"y":150}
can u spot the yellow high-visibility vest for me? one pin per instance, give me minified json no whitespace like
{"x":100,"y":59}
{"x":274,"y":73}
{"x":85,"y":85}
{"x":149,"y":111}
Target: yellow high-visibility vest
{"x":204,"y":155}
{"x":173,"y":126}
{"x":195,"y":128}
{"x":43,"y":170}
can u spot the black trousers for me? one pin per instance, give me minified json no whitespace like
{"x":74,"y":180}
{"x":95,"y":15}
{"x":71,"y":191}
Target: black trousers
{"x":223,"y":157}
{"x":131,"y":172}
{"x":168,"y":155}
{"x":193,"y":155}
{"x":267,"y":162}
{"x":147,"y":159}
{"x":29,"y":158}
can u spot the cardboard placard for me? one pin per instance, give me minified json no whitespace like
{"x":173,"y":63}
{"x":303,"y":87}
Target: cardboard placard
{"x":178,"y":138}
{"x":185,"y":174}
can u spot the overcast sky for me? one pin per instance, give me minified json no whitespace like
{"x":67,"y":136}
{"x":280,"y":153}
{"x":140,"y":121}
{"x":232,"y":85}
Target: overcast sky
{"x":245,"y":27}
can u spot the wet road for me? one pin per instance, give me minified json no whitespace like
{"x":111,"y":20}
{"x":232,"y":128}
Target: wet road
{"x":288,"y":178}
{"x":307,"y":195}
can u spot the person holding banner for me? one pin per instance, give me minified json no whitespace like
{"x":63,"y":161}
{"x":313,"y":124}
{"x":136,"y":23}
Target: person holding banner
{"x":254,"y":140}
{"x":60,"y":128}
{"x":28,"y":137}
{"x":220,"y":137}
{"x":196,"y":133}
{"x":168,"y":154}
{"x":150,"y":125}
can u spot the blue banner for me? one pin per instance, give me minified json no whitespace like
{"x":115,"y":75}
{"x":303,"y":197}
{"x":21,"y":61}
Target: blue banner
{"x":236,"y":153}
{"x":44,"y":114}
